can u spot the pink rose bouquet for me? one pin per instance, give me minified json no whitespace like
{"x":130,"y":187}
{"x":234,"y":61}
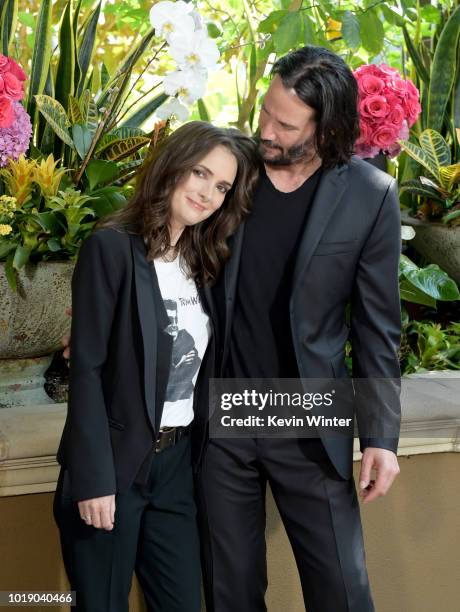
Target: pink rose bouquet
{"x":388,"y":106}
{"x":15,"y":124}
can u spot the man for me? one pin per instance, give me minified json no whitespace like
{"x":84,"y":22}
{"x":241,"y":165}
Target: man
{"x":324,"y":230}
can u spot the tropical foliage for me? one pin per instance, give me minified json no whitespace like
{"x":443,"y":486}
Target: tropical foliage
{"x":439,"y":186}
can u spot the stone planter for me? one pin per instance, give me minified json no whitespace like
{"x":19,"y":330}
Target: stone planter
{"x":32,"y":323}
{"x":439,"y":243}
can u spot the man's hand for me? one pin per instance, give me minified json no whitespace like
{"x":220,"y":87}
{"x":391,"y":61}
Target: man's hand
{"x":385,"y":463}
{"x":98,"y":512}
{"x":65,"y":340}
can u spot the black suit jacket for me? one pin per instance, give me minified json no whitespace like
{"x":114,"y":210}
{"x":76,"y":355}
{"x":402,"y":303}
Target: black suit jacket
{"x":119,"y":364}
{"x":348,"y":253}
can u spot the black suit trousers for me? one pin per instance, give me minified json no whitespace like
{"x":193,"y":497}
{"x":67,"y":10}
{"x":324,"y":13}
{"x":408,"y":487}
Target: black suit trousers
{"x":320,"y":512}
{"x":155,"y":535}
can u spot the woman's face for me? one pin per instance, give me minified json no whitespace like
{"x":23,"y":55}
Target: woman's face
{"x":199,"y":194}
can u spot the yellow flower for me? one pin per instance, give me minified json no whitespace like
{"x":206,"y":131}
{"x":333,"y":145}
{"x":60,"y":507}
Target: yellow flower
{"x":333,"y":29}
{"x":7,"y":206}
{"x":18,"y":177}
{"x":48,"y":177}
{"x":5,"y":229}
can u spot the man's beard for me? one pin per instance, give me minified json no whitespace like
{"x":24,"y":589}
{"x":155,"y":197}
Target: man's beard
{"x":294,"y":155}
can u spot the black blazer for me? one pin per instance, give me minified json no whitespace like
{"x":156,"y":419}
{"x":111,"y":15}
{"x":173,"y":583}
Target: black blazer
{"x":119,"y":364}
{"x":348,"y":253}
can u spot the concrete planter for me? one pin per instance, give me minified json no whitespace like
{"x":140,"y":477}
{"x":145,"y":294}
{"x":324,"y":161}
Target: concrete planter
{"x":439,"y":243}
{"x":32,"y":323}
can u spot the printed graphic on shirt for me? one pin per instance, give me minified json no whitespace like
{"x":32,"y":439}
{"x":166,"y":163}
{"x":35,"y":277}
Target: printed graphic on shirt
{"x":185,"y":361}
{"x":190,"y":331}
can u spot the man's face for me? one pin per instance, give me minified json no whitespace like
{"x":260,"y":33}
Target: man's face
{"x":287,"y":126}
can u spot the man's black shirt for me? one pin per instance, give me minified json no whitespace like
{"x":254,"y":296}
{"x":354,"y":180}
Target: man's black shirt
{"x":261,"y":339}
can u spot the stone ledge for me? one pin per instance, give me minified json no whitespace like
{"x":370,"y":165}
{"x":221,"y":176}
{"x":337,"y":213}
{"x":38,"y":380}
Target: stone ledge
{"x":29,"y":435}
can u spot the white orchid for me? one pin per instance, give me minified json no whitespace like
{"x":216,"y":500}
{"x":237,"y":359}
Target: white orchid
{"x":170,"y":18}
{"x":173,"y":107}
{"x":194,"y":49}
{"x":188,"y":85}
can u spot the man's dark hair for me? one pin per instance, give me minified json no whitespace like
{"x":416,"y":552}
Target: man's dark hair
{"x":323,"y":81}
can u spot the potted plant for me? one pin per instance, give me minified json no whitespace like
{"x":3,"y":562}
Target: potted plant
{"x":86,"y":145}
{"x":435,"y":213}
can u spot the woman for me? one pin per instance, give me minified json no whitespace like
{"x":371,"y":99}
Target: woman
{"x":141,"y":331}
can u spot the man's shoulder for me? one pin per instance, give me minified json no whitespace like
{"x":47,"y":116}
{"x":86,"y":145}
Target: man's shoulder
{"x":369,"y":178}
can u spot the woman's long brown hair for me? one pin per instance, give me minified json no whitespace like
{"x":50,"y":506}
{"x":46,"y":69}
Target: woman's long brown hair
{"x":202,"y":247}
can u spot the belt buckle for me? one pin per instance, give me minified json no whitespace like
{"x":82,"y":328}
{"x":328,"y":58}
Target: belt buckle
{"x":163,"y":432}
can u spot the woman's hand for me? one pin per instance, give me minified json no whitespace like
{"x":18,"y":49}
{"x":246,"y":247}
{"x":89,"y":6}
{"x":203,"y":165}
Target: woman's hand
{"x":98,"y":512}
{"x":66,"y":339}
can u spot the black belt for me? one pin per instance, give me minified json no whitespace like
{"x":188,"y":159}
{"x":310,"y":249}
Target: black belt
{"x":169,"y":436}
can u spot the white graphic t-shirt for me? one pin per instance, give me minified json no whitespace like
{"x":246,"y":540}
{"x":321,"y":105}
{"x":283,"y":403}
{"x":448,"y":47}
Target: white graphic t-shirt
{"x":189,"y":326}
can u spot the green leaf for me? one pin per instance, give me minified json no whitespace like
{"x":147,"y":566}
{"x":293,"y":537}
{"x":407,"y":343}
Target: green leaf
{"x":74,"y":112}
{"x":26,"y":19}
{"x":107,"y":200}
{"x":144,"y":111}
{"x":41,"y":55}
{"x":436,"y":148}
{"x":419,"y":155}
{"x":213,"y":30}
{"x":430,"y":13}
{"x":100,"y":171}
{"x":65,"y":74}
{"x":21,"y":257}
{"x":47,"y":221}
{"x":416,"y":57}
{"x":56,"y":117}
{"x":431,"y":280}
{"x":451,"y":216}
{"x":54,"y":245}
{"x":288,"y":32}
{"x":270,"y":23}
{"x":392,"y":16}
{"x":122,"y":77}
{"x":10,"y":273}
{"x":203,"y":111}
{"x":372,"y":32}
{"x":409,"y":293}
{"x":6,"y":246}
{"x":82,"y":137}
{"x":9,"y":18}
{"x":119,"y":149}
{"x":443,"y":71}
{"x":309,"y":36}
{"x":85,"y":51}
{"x":351,"y":30}
{"x":415,"y":187}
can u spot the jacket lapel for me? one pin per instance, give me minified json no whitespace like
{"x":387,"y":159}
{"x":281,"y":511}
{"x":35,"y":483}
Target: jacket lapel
{"x":328,"y":195}
{"x":231,"y":278}
{"x":146,"y":303}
